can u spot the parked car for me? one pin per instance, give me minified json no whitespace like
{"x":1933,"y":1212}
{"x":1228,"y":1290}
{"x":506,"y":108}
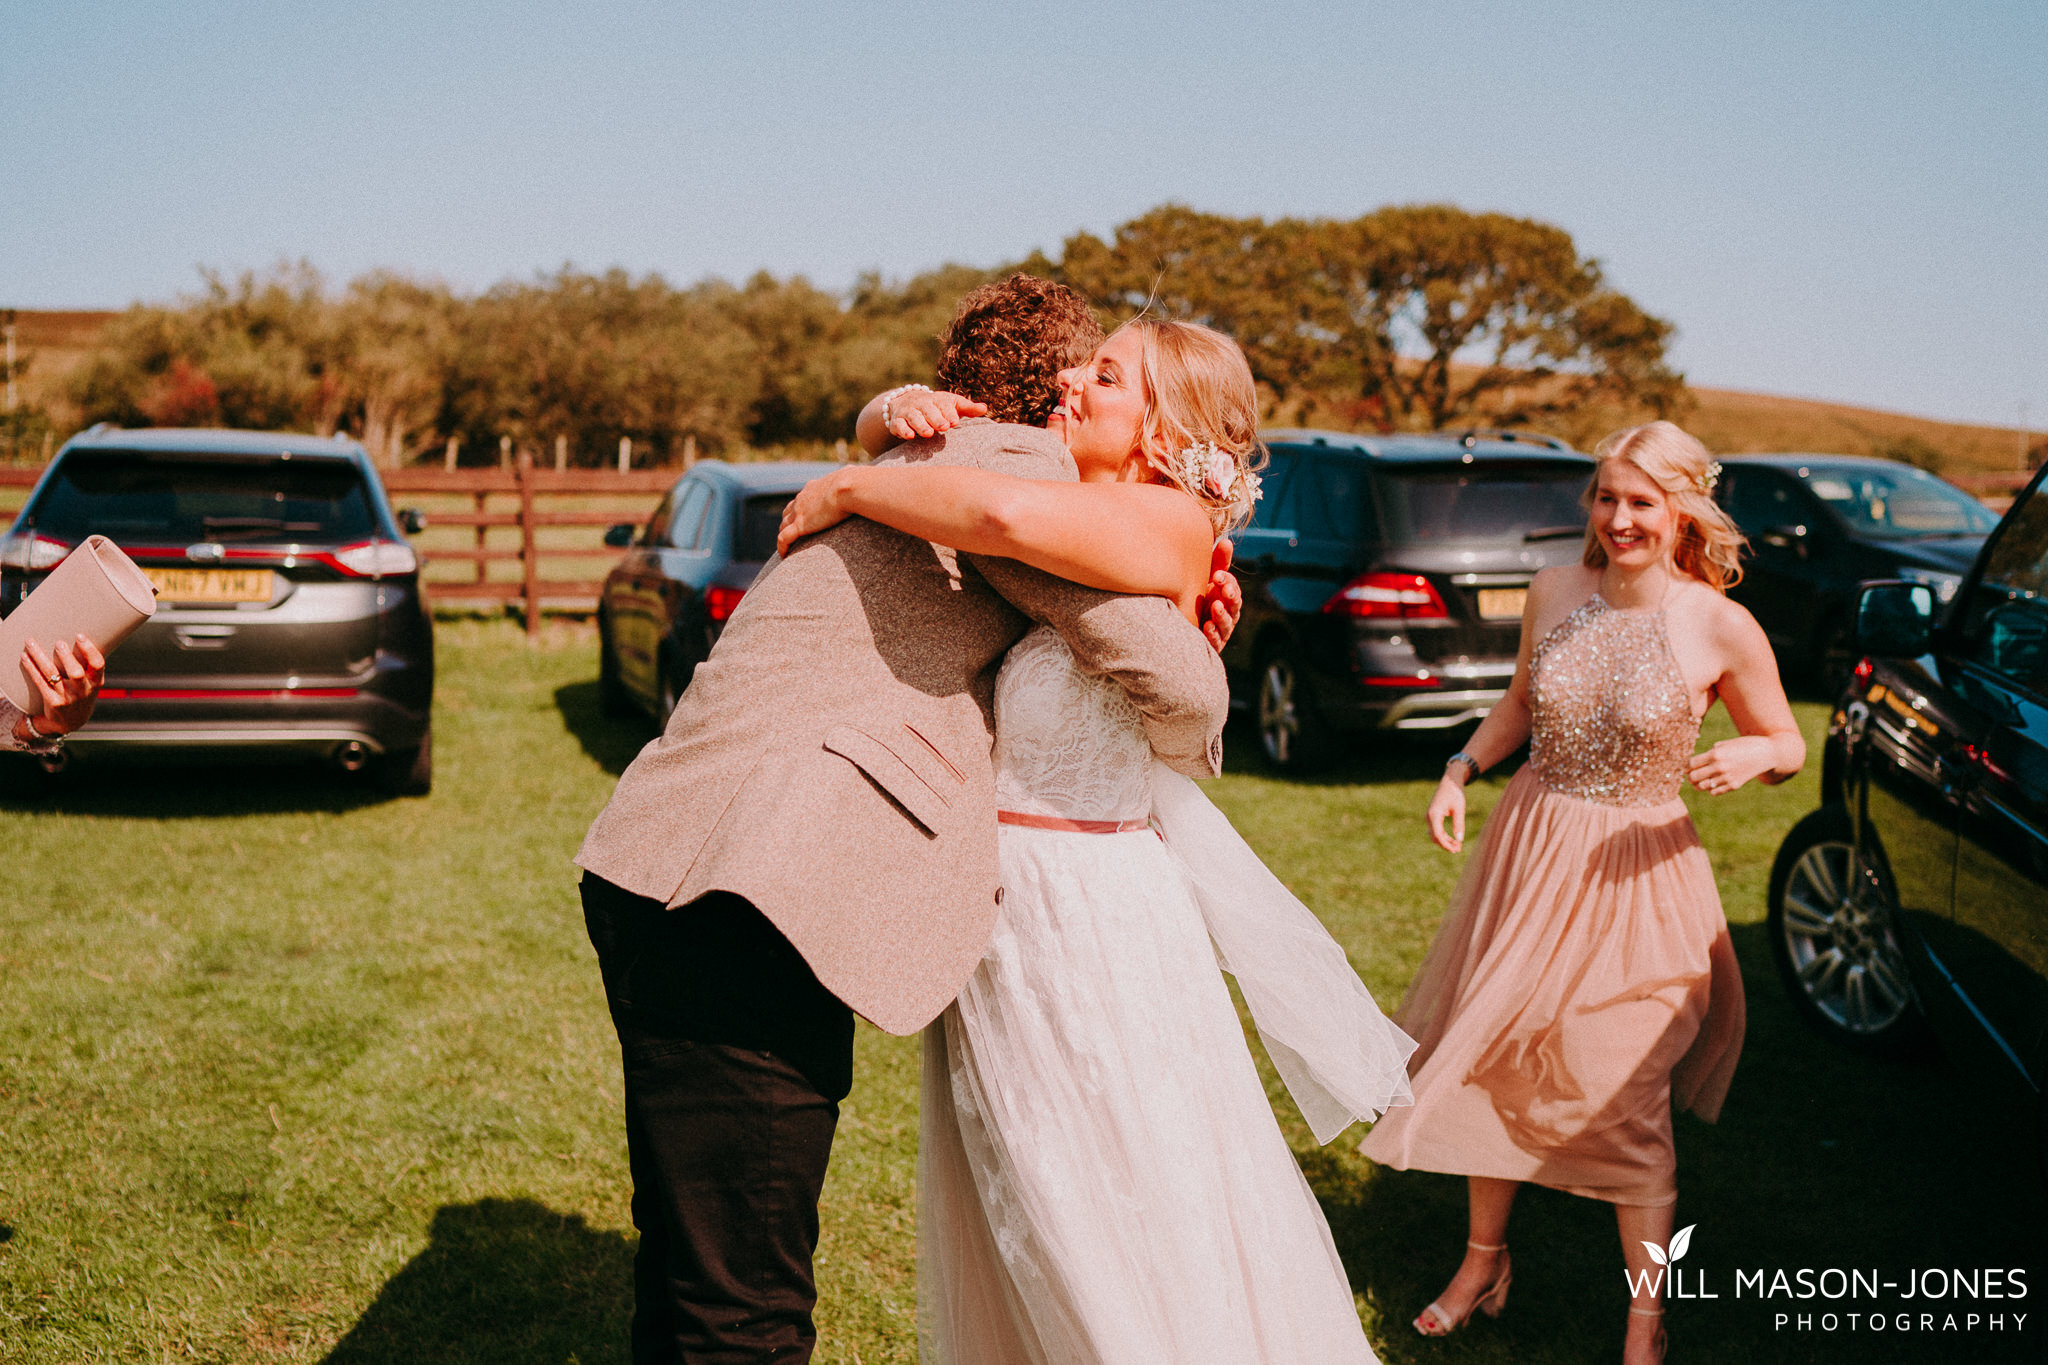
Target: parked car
{"x":1384,"y":578}
{"x":662,"y":607}
{"x":1917,"y":895}
{"x":1818,"y":525}
{"x":289,"y":616}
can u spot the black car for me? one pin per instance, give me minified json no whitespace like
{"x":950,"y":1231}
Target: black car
{"x":1384,"y":578}
{"x":289,"y":616}
{"x":666,"y":601}
{"x":1818,"y":525}
{"x":1918,"y":894}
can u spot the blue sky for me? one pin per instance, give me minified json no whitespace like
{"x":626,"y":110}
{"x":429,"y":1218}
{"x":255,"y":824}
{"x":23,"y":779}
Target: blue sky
{"x":1842,"y":201}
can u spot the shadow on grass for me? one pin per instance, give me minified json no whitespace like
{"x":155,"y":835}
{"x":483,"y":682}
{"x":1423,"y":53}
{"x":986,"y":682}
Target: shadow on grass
{"x":162,"y":787}
{"x":1354,"y":760}
{"x":502,"y":1282}
{"x":1823,"y":1157}
{"x":611,"y":743}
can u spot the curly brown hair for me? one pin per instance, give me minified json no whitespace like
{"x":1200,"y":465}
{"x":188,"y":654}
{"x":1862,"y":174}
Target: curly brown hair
{"x":1009,"y":340}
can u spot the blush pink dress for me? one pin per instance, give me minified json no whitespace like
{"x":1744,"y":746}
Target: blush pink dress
{"x":1583,"y":981}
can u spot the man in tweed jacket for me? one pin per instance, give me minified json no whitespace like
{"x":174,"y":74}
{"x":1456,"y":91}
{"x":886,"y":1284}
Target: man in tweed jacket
{"x":813,"y":837}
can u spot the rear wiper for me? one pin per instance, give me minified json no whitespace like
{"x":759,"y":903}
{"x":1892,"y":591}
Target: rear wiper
{"x":1553,"y":533}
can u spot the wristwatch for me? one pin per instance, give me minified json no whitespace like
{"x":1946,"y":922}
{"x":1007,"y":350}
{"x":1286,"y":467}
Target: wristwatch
{"x":1471,"y":764}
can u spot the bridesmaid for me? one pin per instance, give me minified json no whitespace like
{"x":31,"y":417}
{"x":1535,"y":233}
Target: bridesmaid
{"x":1583,"y":980}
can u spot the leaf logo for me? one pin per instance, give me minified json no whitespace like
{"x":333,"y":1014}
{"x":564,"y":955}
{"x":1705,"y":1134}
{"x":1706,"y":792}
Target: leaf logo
{"x":1679,"y":1243}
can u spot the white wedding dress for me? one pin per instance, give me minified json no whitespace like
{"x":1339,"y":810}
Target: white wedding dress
{"x":1101,"y":1179}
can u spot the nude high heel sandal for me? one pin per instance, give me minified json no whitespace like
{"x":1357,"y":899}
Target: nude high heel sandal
{"x":1662,"y":1343}
{"x":1435,"y":1322}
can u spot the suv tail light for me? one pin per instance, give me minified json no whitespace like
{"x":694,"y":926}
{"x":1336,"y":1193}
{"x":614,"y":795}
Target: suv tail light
{"x":1401,"y":596}
{"x":719,"y":602}
{"x":34,"y":552}
{"x":373,"y":559}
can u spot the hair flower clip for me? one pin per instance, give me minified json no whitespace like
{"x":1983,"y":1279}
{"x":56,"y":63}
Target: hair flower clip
{"x":1710,"y":476}
{"x":1212,"y":471}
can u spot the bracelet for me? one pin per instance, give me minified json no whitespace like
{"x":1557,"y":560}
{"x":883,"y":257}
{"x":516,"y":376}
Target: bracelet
{"x":892,"y":395}
{"x":1471,"y":764}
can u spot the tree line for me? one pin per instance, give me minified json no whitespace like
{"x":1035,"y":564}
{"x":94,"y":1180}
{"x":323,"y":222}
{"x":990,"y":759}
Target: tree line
{"x":1408,"y":318}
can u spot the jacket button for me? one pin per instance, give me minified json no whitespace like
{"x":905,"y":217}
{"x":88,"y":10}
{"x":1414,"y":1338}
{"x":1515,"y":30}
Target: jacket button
{"x":999,"y":895}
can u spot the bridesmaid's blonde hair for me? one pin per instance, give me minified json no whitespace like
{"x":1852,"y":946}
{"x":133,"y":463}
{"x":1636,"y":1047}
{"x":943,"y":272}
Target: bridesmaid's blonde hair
{"x":1709,"y":545}
{"x":1201,"y":409}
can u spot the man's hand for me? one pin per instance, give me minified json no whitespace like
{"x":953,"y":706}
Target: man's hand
{"x":67,"y":679}
{"x":1222,"y":602}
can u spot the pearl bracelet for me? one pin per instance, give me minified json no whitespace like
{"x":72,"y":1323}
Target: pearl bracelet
{"x":892,"y":395}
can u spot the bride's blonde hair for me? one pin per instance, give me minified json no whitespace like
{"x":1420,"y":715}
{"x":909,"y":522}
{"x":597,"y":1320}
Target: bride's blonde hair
{"x":1709,"y":545}
{"x":1201,"y":426}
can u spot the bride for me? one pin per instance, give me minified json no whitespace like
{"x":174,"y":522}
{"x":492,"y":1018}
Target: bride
{"x":1101,"y":1178}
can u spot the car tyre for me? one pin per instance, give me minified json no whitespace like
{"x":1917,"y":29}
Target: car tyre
{"x":1831,"y":924}
{"x":1291,"y":733}
{"x":612,"y":699}
{"x":409,"y":772}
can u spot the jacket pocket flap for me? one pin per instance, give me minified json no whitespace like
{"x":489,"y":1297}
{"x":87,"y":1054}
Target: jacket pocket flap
{"x":891,"y":773}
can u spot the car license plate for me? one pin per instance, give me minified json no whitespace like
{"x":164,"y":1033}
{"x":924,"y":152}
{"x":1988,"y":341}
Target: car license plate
{"x":211,"y":585}
{"x":1496,"y":604}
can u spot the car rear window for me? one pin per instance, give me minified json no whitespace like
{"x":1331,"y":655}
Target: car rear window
{"x":1482,"y":501}
{"x":144,"y":498}
{"x":760,"y":519}
{"x":1897,"y":502}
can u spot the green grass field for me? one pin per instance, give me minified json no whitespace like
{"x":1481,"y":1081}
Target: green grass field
{"x":291,"y":1072}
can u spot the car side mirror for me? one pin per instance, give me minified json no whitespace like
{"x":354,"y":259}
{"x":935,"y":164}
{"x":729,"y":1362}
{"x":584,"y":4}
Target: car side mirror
{"x":1895,"y":620}
{"x":620,"y":536}
{"x":412,"y":519}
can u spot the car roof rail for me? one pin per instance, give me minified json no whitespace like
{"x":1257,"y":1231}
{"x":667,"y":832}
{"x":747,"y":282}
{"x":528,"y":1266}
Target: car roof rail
{"x":1471,"y":436}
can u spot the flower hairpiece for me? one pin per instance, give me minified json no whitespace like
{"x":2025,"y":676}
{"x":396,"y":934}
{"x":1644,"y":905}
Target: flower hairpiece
{"x":1710,"y":476}
{"x":1208,"y":469}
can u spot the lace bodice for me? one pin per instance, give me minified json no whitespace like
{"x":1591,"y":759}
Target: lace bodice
{"x":1067,"y":744}
{"x":1610,"y":715}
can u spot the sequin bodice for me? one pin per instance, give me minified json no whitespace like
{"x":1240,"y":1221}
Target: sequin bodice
{"x":1067,"y":743}
{"x":1610,"y":715}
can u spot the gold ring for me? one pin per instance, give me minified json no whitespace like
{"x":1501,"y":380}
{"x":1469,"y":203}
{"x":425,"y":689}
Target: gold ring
{"x":56,"y":677}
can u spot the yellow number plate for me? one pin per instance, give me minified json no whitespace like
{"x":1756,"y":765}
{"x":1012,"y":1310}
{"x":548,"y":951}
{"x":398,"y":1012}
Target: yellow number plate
{"x":211,"y":585}
{"x":1498,"y":603}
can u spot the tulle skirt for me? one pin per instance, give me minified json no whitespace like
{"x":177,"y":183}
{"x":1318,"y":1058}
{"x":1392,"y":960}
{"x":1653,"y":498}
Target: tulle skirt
{"x":1582,"y":982}
{"x":1101,"y":1178}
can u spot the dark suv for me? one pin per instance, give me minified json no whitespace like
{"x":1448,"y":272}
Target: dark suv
{"x":288,"y":602}
{"x":1918,"y":893}
{"x":1384,"y":579}
{"x":1818,"y":525}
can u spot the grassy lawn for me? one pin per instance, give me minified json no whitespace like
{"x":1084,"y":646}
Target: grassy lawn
{"x":290,"y":1072}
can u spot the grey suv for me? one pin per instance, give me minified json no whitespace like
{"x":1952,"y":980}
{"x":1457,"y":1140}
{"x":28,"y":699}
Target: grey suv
{"x":289,"y":615}
{"x":1384,"y":578}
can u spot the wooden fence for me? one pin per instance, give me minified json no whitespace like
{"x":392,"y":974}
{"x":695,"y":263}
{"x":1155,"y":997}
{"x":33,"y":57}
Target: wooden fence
{"x":524,"y":498}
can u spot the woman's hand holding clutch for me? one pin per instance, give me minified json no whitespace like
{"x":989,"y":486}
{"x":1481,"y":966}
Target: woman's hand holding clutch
{"x":68,"y":679}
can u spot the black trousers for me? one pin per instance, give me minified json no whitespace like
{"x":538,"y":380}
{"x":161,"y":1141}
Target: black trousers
{"x":735,"y":1062}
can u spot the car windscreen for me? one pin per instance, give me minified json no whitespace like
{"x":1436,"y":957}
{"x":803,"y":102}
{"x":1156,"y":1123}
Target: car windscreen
{"x":145,"y":498}
{"x":760,"y":519}
{"x":1896,"y":502}
{"x":1482,"y":501}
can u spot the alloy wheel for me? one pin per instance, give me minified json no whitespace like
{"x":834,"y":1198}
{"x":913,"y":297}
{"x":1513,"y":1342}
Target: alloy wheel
{"x":1280,"y":713}
{"x":1837,"y":934}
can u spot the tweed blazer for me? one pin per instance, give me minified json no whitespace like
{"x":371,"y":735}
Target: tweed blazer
{"x":830,"y":761}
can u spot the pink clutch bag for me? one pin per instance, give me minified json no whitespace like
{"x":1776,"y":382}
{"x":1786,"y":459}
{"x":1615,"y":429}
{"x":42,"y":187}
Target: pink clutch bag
{"x":96,"y":592}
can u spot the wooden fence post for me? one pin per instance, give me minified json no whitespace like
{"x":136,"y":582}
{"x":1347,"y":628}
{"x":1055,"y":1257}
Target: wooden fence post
{"x":625,"y":453}
{"x":689,"y":451}
{"x":561,"y":453}
{"x":529,"y":552}
{"x":454,"y":449}
{"x":504,"y":452}
{"x":483,"y":532}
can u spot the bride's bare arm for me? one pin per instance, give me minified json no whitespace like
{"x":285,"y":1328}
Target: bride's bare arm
{"x":912,"y":413}
{"x":1122,"y":537}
